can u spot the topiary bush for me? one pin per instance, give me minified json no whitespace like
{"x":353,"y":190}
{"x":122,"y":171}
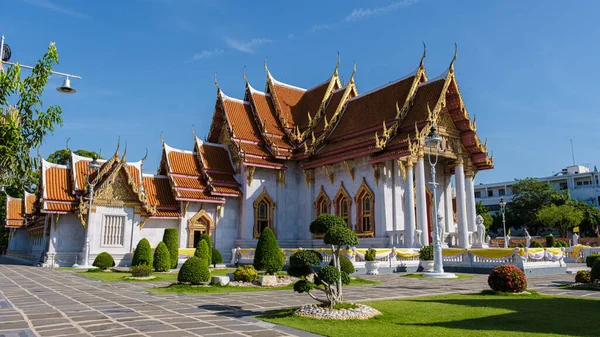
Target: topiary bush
{"x":142,"y":254}
{"x":171,"y":239}
{"x":370,"y":254}
{"x":507,"y":278}
{"x":562,"y":243}
{"x":590,"y":259}
{"x":324,"y":222}
{"x":595,"y":272}
{"x":345,"y":264}
{"x":162,"y":260}
{"x":216,"y":257}
{"x":426,"y":253}
{"x":583,"y":276}
{"x":194,"y":271}
{"x":536,"y":244}
{"x":268,"y":255}
{"x":550,"y":241}
{"x":245,"y":274}
{"x":207,"y":239}
{"x":104,"y":261}
{"x":202,"y":252}
{"x":142,"y":270}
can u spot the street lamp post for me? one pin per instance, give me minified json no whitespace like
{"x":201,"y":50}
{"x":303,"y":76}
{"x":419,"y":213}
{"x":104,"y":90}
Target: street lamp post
{"x":502,"y":204}
{"x":433,"y":140}
{"x":93,"y":166}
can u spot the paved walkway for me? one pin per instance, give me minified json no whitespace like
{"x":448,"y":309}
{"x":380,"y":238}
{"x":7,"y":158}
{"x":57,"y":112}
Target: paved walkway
{"x":42,"y":302}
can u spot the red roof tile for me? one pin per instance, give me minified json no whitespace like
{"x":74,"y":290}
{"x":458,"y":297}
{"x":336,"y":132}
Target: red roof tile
{"x":216,"y":157}
{"x":57,"y":184}
{"x":15,"y":209}
{"x":183,"y":163}
{"x":158,"y":191}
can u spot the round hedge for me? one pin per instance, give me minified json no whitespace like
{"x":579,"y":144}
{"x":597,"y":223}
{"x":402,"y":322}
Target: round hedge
{"x":583,"y":276}
{"x":325,"y":222}
{"x":590,"y":259}
{"x":536,"y":244}
{"x":171,"y":239}
{"x":595,"y":272}
{"x":302,"y":261}
{"x":268,"y":255}
{"x":329,"y":274}
{"x":341,"y":236}
{"x":142,"y":254}
{"x":104,"y":261}
{"x":550,"y":241}
{"x":216,"y":257}
{"x":303,"y":286}
{"x":345,"y":264}
{"x":208,"y":241}
{"x":162,"y":260}
{"x":194,"y":271}
{"x":507,"y":278}
{"x":202,"y":252}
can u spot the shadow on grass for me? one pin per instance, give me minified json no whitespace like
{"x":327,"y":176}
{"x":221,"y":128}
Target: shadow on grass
{"x":533,"y":313}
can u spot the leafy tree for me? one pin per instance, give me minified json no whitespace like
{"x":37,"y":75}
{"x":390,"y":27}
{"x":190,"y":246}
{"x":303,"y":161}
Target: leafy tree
{"x":591,"y":217}
{"x":328,"y":279}
{"x":562,"y":218}
{"x":488,"y":220}
{"x":63,"y":156}
{"x":171,"y":239}
{"x":530,"y":196}
{"x":194,"y":271}
{"x":162,"y":260}
{"x":142,"y":254}
{"x":268,"y":254}
{"x":202,"y":252}
{"x":208,"y":240}
{"x":23,"y":127}
{"x":216,"y":257}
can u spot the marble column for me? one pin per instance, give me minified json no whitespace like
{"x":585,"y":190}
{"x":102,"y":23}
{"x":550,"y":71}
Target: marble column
{"x":461,"y":207}
{"x":470,"y":196}
{"x":422,"y":202}
{"x":409,"y":198}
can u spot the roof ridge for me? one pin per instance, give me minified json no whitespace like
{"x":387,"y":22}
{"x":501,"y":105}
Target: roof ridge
{"x":383,"y":86}
{"x":287,"y":85}
{"x":229,"y":98}
{"x":172,"y":149}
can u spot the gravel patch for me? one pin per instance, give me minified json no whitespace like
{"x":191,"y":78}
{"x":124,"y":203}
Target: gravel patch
{"x":315,"y":311}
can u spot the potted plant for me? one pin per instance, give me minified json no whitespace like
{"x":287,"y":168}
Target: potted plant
{"x":426,"y":257}
{"x":370,"y":263}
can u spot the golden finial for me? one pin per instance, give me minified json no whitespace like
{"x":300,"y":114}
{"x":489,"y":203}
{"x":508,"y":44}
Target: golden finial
{"x":244,"y":74}
{"x":118,"y":146}
{"x":145,"y":156}
{"x":67,"y":145}
{"x":194,"y":132}
{"x":125,"y":152}
{"x":353,"y":73}
{"x":429,"y":113}
{"x":421,"y":64}
{"x":337,"y":66}
{"x":216,"y":83}
{"x":454,"y":58}
{"x":398,"y":112}
{"x":475,"y":122}
{"x":266,"y":69}
{"x":161,"y":138}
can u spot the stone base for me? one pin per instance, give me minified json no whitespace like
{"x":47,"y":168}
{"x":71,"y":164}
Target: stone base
{"x":440,"y":275}
{"x":219,"y":280}
{"x":268,"y":280}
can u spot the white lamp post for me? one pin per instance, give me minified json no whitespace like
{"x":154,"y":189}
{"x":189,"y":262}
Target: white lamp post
{"x":93,"y":166}
{"x":502,"y":204}
{"x":433,"y":140}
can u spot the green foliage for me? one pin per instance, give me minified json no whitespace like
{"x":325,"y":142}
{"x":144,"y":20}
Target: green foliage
{"x":595,"y":272}
{"x":482,"y":210}
{"x":302,"y":262}
{"x":142,"y":254}
{"x":562,"y":218}
{"x":303,"y":286}
{"x":171,"y":239}
{"x":162,"y":260}
{"x":370,"y":254}
{"x":142,"y":270}
{"x":591,"y":217}
{"x":562,"y":243}
{"x":590,"y":259}
{"x":245,"y":274}
{"x":202,"y":252}
{"x":550,"y":241}
{"x":194,"y":271}
{"x":63,"y":156}
{"x":345,"y":278}
{"x":507,"y":278}
{"x":326,"y":221}
{"x":329,"y":274}
{"x":583,"y":276}
{"x":426,"y":253}
{"x":346,"y":265}
{"x":268,"y":255}
{"x":216,"y":257}
{"x":95,"y":270}
{"x":104,"y":261}
{"x":536,"y":244}
{"x":206,"y":237}
{"x":341,"y":236}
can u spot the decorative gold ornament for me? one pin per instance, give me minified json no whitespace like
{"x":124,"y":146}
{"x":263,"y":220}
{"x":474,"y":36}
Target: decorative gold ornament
{"x":329,"y":174}
{"x":350,"y":169}
{"x":251,"y":170}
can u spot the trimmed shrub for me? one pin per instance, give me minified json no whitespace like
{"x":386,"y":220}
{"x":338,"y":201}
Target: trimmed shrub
{"x":590,"y":259}
{"x":550,"y":241}
{"x":194,"y":271}
{"x":162,"y":260}
{"x":245,"y":274}
{"x":329,"y":274}
{"x":324,"y":222}
{"x":104,"y":261}
{"x":345,"y":265}
{"x":370,"y":254}
{"x":216,"y":257}
{"x":583,"y":276}
{"x":536,"y":244}
{"x":206,"y":237}
{"x":142,"y":270}
{"x":595,"y":272}
{"x":268,"y":255}
{"x":507,"y":278}
{"x":562,"y":243}
{"x":171,"y":239}
{"x":202,"y":252}
{"x":142,"y":254}
{"x":302,"y":261}
{"x":426,"y":253}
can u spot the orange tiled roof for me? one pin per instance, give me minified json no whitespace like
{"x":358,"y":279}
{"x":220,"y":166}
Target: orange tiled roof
{"x":266,"y":112}
{"x":241,"y":119}
{"x":199,"y":195}
{"x":227,"y":190}
{"x":427,"y":93}
{"x":167,"y":214}
{"x":29,"y":202}
{"x":183,"y":163}
{"x":14,"y":212}
{"x":311,"y":101}
{"x":182,"y":182}
{"x":216,"y":157}
{"x":57,"y":207}
{"x":135,"y":174}
{"x":158,"y":191}
{"x":57,"y":184}
{"x":332,"y":105}
{"x":288,"y":97}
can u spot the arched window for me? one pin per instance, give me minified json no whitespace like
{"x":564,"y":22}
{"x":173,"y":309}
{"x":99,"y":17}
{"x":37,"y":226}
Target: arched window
{"x":264,"y":207}
{"x":343,"y":204}
{"x":365,"y":202}
{"x":322,"y":204}
{"x":200,"y":223}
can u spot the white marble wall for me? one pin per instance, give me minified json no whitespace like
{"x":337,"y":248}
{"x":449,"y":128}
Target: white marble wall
{"x":154,"y":230}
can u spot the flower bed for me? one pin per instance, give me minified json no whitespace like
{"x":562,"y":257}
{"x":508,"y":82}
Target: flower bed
{"x":359,"y":312}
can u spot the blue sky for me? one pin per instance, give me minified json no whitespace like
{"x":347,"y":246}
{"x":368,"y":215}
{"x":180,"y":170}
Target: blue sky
{"x":527,"y":69}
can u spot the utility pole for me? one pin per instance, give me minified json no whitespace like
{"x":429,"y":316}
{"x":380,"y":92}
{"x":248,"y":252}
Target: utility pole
{"x":572,"y":152}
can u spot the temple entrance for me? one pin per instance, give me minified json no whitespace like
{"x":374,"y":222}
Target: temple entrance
{"x":197,"y":237}
{"x":200,"y":223}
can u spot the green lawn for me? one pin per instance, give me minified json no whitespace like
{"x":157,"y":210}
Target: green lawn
{"x":111,"y":276}
{"x":461,"y":315}
{"x":191,"y":290}
{"x":420,"y":276}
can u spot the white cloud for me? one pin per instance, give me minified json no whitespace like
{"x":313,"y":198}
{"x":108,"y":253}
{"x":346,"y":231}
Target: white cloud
{"x":203,"y":55}
{"x":56,"y":8}
{"x":247,"y":47}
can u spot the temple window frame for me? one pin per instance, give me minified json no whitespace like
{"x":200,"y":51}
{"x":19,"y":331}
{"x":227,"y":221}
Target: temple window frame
{"x":365,"y":211}
{"x":264,"y":199}
{"x":322,"y":204}
{"x":340,"y":196}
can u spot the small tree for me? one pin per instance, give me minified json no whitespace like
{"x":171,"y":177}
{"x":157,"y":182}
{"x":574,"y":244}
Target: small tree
{"x":194,"y":271}
{"x":208,"y":240}
{"x":216,"y":257}
{"x":162,"y":260}
{"x":104,"y":261}
{"x":268,"y":255}
{"x":562,"y":218}
{"x":328,"y":279}
{"x":142,"y":254}
{"x":171,"y":239}
{"x":202,"y":252}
